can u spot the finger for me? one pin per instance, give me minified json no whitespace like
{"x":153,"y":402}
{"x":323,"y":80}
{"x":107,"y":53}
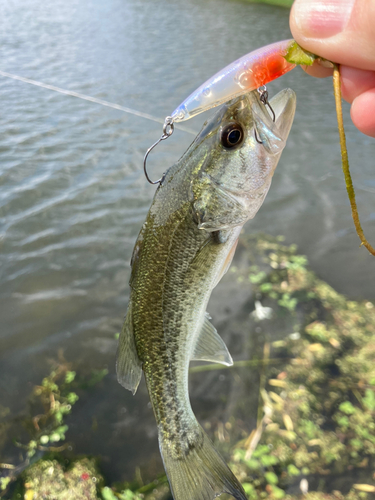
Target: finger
{"x":355,"y":82}
{"x":362,"y":112}
{"x":318,"y":70}
{"x":341,"y":31}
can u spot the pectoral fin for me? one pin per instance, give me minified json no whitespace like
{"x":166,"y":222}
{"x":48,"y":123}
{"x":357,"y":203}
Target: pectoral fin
{"x":210,"y":346}
{"x":227,"y":263}
{"x":128,"y":365}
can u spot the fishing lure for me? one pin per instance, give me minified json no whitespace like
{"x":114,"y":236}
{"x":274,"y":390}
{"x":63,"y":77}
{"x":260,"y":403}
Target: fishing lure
{"x":247,"y":73}
{"x":250,"y":72}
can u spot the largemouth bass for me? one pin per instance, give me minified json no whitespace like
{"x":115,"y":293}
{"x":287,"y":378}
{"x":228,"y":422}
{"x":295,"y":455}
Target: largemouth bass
{"x":184,"y":248}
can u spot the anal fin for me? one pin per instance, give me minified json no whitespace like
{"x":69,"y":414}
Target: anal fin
{"x":210,"y":346}
{"x":128,"y":365}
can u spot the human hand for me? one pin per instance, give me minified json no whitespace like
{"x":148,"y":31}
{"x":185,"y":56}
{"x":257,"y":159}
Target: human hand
{"x":342,"y":31}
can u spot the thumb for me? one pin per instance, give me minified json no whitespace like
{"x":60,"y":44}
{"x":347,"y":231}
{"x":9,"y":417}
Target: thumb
{"x":339,"y":30}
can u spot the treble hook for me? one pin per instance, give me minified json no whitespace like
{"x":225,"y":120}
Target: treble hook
{"x":168,"y":129}
{"x":264,"y":99}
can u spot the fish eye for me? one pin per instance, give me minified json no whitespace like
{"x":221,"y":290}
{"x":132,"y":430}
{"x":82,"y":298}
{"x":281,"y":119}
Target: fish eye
{"x":231,"y":135}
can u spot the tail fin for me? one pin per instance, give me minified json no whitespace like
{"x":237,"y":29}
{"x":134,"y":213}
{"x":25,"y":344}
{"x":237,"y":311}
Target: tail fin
{"x":198,"y":472}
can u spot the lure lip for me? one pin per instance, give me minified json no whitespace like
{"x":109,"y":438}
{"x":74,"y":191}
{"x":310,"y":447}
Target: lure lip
{"x":249,"y":72}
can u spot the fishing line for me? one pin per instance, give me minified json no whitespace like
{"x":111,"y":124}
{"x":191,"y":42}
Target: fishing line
{"x":91,"y":99}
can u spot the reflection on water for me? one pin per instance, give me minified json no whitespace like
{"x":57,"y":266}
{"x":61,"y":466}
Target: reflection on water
{"x":73,"y":195}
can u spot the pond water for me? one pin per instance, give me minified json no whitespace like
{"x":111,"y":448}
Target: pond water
{"x":73,"y":195}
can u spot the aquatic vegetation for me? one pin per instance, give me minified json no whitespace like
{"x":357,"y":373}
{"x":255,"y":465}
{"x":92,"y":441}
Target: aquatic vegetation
{"x":53,"y":479}
{"x":108,"y":493}
{"x":316,"y":426}
{"x":48,"y":406}
{"x":320,"y":405}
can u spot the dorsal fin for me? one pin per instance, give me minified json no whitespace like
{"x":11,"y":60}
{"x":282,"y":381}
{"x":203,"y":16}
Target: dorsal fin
{"x":210,"y":346}
{"x":128,"y":365}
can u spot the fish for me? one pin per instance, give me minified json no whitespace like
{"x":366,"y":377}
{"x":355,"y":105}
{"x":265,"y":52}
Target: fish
{"x":247,"y":73}
{"x":184,"y":248}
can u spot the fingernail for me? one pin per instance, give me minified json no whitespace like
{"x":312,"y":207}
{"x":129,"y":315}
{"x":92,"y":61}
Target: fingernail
{"x":322,"y":18}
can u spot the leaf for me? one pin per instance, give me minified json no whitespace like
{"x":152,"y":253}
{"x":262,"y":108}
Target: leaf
{"x":4,"y":481}
{"x":293,"y":471}
{"x":288,"y":422}
{"x":29,"y":495}
{"x":277,"y":492}
{"x":108,"y":494}
{"x":369,"y":399}
{"x":297,"y":55}
{"x":253,"y":464}
{"x":72,"y":398}
{"x":347,"y":408}
{"x":269,"y":460}
{"x":250,"y":490}
{"x":69,"y":377}
{"x":334,"y":343}
{"x":276,"y":398}
{"x":277,"y":383}
{"x":271,"y":477}
{"x":315,"y":347}
{"x":364,"y":487}
{"x":315,"y":442}
{"x":54,"y":438}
